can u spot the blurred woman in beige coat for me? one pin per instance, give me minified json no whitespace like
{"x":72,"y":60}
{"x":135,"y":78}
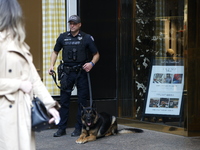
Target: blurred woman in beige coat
{"x":19,"y":80}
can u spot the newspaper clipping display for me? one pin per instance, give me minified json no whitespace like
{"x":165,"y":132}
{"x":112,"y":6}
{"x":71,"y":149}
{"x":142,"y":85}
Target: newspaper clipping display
{"x":165,"y":88}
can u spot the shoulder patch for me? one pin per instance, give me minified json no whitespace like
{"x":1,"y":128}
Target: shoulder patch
{"x":92,"y":38}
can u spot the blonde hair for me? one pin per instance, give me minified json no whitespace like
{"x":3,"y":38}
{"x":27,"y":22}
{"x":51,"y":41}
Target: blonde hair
{"x":11,"y":20}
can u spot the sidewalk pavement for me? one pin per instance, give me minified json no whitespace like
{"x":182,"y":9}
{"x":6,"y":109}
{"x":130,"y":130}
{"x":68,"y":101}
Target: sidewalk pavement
{"x":148,"y":140}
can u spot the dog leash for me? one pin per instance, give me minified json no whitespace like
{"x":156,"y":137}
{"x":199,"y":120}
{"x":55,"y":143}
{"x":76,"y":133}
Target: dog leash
{"x":54,"y":78}
{"x":90,"y":89}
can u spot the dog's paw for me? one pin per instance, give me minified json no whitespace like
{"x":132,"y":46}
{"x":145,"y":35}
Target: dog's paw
{"x":80,"y":141}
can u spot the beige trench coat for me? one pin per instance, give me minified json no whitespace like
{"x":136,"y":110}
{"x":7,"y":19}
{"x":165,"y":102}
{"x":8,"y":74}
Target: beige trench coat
{"x":15,"y":115}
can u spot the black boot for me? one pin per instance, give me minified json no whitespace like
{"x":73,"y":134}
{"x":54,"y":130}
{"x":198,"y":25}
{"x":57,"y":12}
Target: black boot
{"x":59,"y":133}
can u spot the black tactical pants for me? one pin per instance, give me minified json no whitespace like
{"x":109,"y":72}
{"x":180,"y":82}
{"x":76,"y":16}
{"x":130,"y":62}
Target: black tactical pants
{"x":82,"y":92}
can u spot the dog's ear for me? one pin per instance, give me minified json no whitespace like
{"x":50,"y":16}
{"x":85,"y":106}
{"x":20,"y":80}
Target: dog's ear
{"x":82,"y":113}
{"x":82,"y":109}
{"x":96,"y":117}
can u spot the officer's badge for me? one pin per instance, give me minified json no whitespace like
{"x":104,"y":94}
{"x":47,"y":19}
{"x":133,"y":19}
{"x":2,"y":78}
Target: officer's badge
{"x":80,"y":38}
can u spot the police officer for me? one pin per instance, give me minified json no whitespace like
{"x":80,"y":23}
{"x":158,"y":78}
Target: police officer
{"x":74,"y":44}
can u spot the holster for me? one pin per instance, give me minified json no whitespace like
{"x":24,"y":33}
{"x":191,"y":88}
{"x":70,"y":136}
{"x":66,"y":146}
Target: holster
{"x":63,"y":73}
{"x":63,"y":81}
{"x":60,"y":70}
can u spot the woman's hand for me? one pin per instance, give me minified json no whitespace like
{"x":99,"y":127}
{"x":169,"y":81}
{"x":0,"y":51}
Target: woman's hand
{"x":26,"y":86}
{"x":55,"y":114}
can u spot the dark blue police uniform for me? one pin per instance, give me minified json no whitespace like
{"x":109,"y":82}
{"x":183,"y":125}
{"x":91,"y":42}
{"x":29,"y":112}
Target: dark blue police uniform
{"x":74,"y":54}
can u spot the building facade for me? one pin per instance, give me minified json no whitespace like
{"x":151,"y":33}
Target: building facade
{"x":136,"y":38}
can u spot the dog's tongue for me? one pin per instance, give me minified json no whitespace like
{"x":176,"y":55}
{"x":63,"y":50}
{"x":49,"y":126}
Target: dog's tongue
{"x":89,"y":124}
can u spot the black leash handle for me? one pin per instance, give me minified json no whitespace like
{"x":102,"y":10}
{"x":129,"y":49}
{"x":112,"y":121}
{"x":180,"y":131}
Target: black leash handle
{"x":90,"y":89}
{"x":54,"y":78}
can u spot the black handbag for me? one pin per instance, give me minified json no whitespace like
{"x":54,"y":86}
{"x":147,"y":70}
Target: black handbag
{"x":39,"y":116}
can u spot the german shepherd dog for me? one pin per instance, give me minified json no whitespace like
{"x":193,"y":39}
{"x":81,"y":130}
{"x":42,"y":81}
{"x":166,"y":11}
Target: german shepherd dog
{"x":96,"y":125}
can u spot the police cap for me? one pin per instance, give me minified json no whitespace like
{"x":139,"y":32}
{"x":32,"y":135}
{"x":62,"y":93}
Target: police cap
{"x":75,"y":19}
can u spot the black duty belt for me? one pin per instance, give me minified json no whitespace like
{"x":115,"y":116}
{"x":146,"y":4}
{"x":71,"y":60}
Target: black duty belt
{"x":73,"y":68}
